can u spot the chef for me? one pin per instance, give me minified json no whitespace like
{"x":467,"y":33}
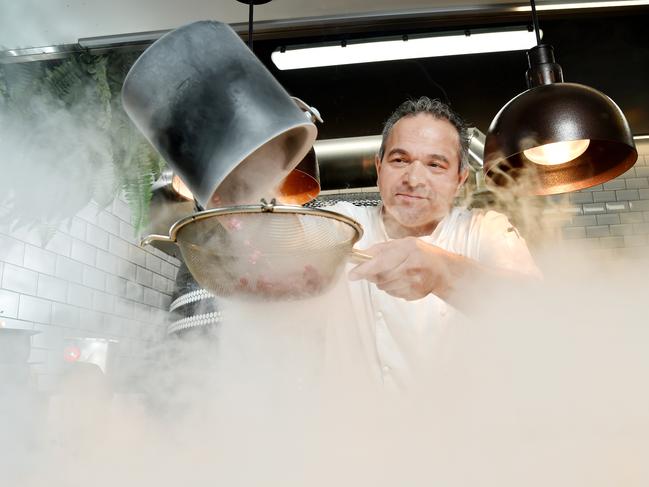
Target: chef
{"x":428,"y":255}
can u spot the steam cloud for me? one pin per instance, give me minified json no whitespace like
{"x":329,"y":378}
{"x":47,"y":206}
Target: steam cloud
{"x":544,"y":386}
{"x":53,"y":163}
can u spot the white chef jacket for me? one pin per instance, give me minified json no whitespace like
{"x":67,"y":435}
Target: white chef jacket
{"x":399,"y":338}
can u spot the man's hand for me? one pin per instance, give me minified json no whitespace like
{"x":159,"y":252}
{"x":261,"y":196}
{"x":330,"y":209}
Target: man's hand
{"x":409,"y":268}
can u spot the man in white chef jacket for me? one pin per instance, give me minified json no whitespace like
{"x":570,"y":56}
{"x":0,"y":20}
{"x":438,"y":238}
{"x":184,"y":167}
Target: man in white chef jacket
{"x":425,"y":251}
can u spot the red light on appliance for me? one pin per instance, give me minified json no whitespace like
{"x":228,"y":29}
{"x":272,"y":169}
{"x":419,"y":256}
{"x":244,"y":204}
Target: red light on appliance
{"x":71,"y":354}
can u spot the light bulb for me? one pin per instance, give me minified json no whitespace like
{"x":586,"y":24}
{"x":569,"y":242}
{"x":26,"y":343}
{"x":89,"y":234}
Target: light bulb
{"x":557,"y":152}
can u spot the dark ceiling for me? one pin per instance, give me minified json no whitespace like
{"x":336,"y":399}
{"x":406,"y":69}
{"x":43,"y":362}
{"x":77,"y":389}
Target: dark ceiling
{"x":608,"y":53}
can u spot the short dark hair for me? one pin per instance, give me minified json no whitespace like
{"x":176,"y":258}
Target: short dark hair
{"x":437,"y":109}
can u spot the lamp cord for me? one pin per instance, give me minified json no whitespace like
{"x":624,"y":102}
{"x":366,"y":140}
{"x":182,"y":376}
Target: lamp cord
{"x":250,"y":16}
{"x":535,"y":20}
{"x":429,"y":78}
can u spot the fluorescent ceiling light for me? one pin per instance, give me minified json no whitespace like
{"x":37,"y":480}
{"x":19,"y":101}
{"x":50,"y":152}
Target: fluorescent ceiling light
{"x":368,"y":51}
{"x":579,"y":5}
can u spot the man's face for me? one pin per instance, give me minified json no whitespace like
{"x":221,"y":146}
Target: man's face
{"x":419,"y":174}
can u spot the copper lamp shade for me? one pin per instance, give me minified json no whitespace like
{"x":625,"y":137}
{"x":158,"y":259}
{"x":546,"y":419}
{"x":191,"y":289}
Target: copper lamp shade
{"x":303,"y":183}
{"x":551,"y":112}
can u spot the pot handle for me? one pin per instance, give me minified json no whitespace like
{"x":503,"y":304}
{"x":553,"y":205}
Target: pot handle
{"x":312,"y":111}
{"x":155,"y":238}
{"x":358,"y":257}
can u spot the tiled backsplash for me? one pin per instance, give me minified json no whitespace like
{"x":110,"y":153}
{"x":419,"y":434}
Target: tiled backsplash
{"x":91,"y":279}
{"x":613,"y":218}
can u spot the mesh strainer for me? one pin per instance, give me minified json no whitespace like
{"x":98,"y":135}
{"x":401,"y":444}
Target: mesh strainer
{"x":265,"y":251}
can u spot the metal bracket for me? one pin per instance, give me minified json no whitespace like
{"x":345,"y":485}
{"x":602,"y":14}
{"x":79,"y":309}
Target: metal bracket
{"x":268,"y":207}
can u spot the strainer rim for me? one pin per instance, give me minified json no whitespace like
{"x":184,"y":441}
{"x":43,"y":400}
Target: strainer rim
{"x":264,"y":208}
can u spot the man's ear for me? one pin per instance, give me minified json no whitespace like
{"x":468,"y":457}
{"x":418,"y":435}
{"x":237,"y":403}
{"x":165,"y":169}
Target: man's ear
{"x":377,"y":166}
{"x":462,"y":177}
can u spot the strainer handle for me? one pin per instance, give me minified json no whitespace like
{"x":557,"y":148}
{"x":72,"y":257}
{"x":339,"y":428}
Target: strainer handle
{"x":155,"y":238}
{"x":358,"y":257}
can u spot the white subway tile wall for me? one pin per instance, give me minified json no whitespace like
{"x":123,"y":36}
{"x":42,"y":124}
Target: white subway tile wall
{"x":69,"y":269}
{"x":39,"y":260}
{"x":60,"y":244}
{"x":8,"y":304}
{"x":612,"y":219}
{"x":19,"y":279}
{"x":12,"y":250}
{"x":52,"y":288}
{"x":89,"y":280}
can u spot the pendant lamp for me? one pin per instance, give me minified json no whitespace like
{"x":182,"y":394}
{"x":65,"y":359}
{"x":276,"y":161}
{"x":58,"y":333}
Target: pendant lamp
{"x":556,"y":137}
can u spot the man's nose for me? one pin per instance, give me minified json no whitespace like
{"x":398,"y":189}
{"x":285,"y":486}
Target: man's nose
{"x":415,"y":173}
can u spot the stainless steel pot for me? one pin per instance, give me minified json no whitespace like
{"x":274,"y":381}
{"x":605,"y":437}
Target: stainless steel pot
{"x":216,"y":114}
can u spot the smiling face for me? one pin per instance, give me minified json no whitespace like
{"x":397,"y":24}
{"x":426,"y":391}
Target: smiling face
{"x":419,"y":175}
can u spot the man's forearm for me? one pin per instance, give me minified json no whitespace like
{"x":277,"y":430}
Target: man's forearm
{"x":466,"y":282}
{"x":411,"y":269}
